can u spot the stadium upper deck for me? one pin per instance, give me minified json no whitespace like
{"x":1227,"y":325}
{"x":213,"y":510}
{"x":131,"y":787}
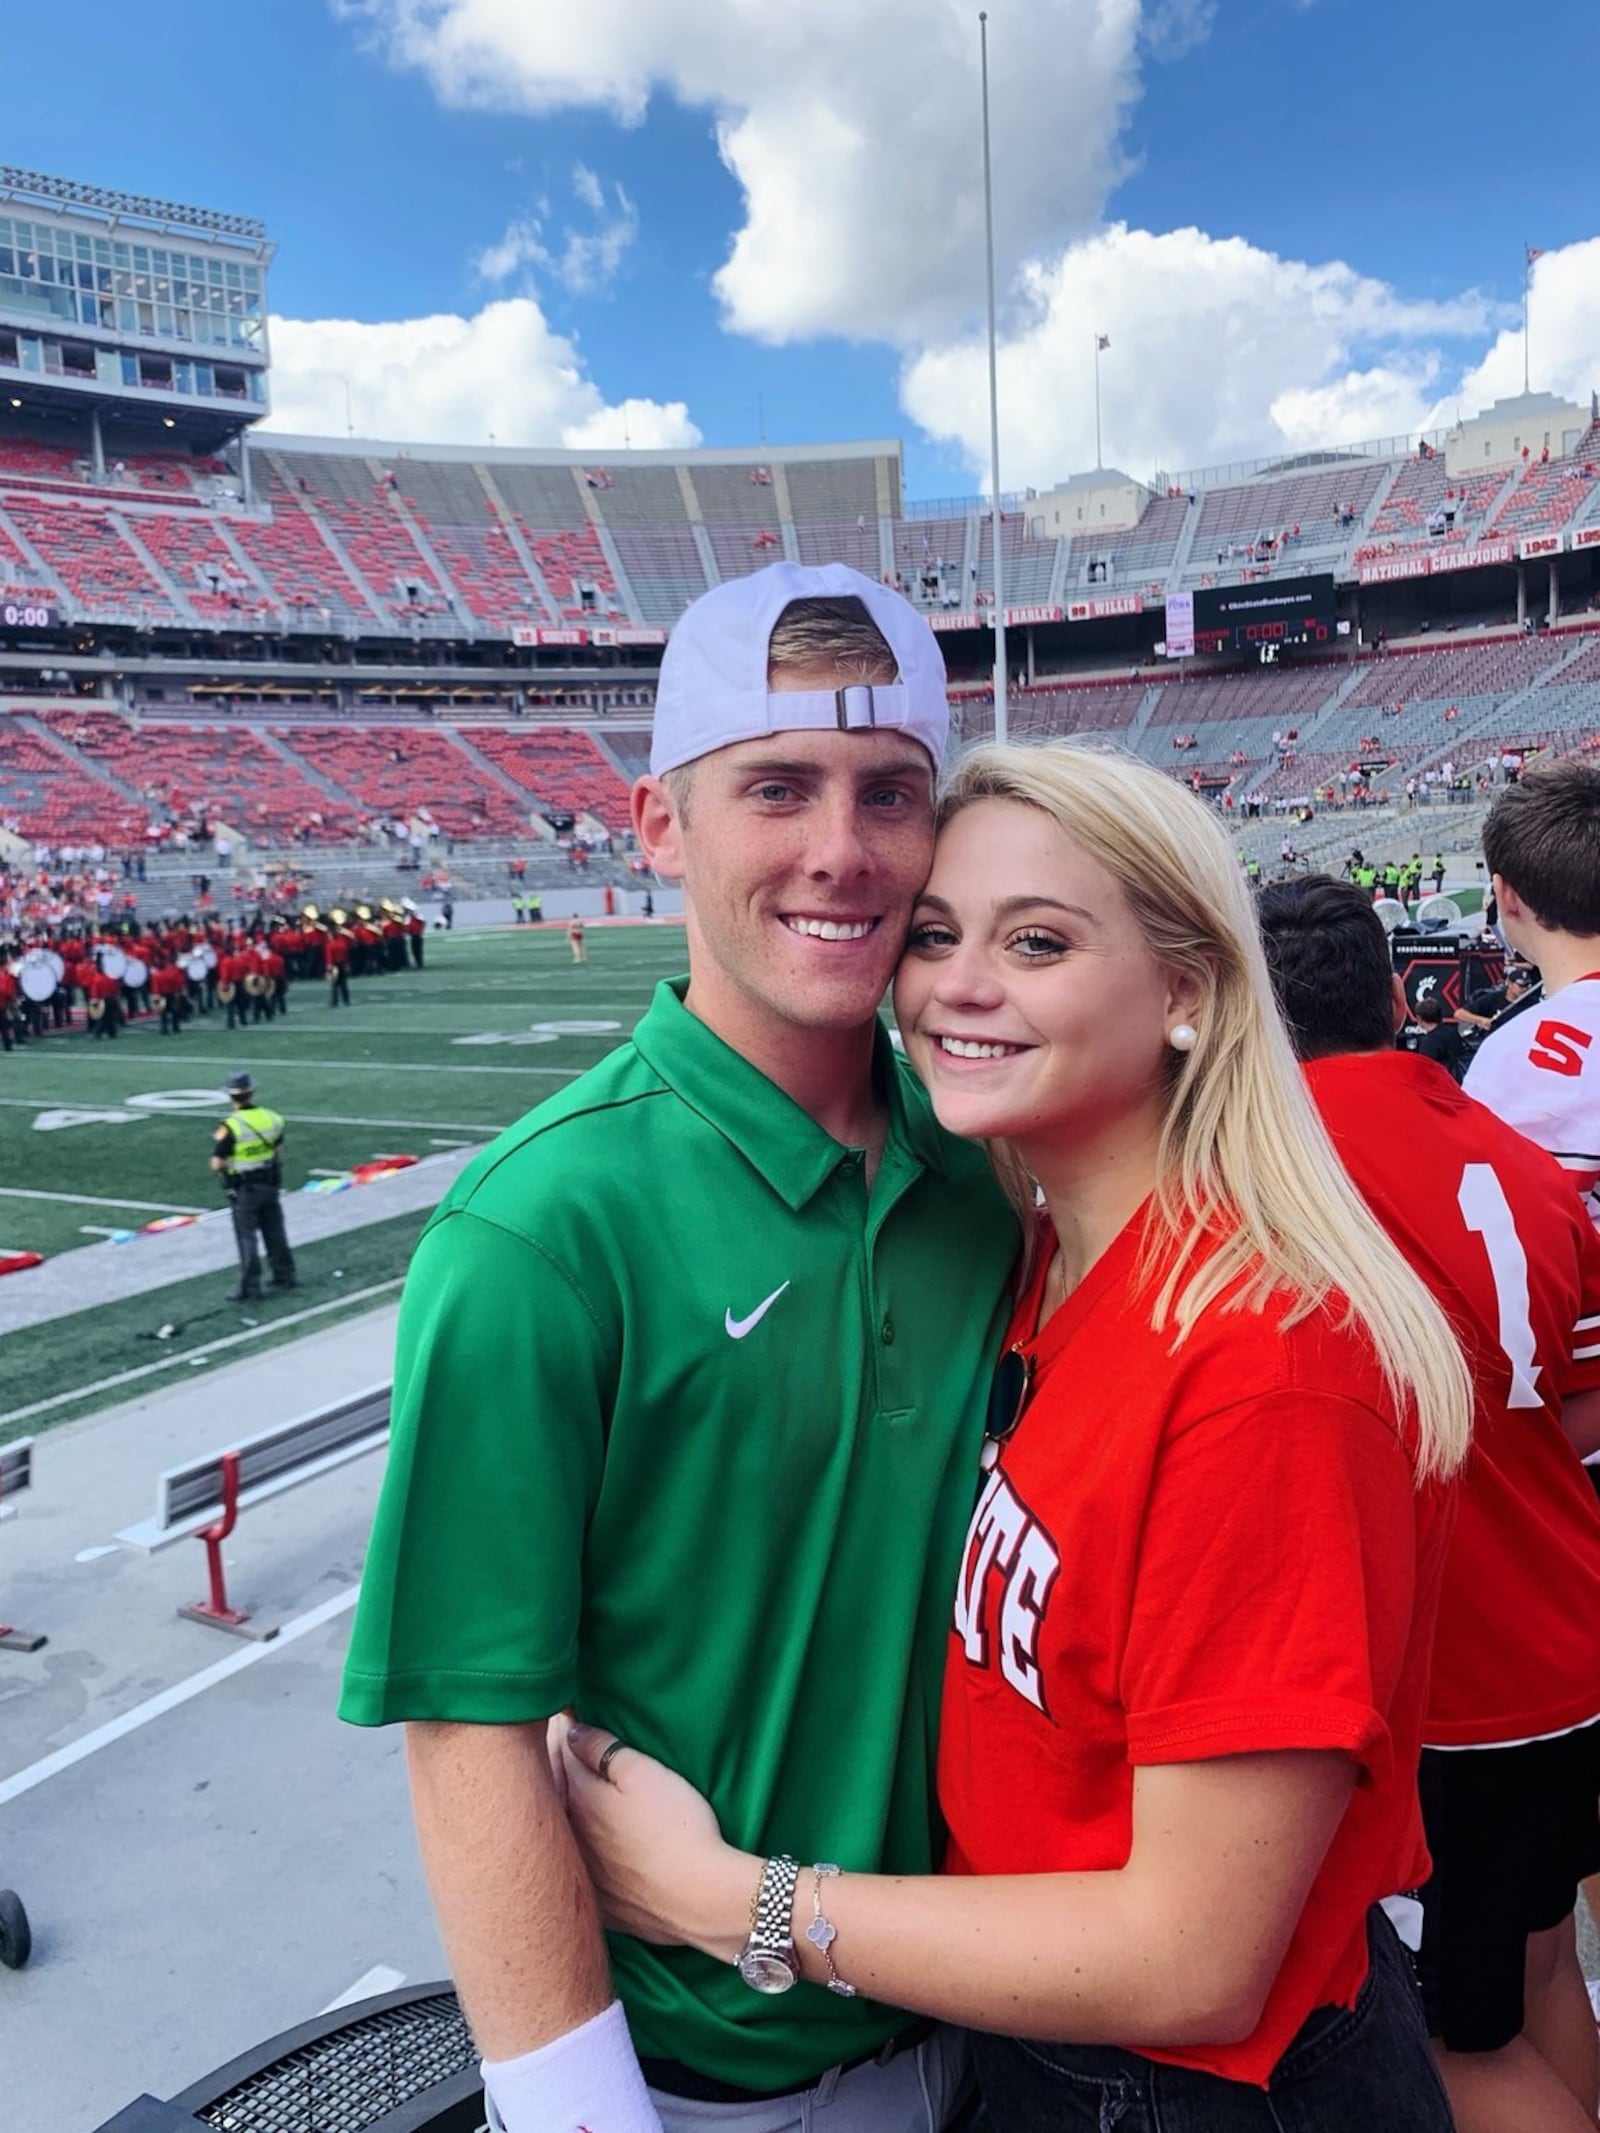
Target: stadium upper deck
{"x":562,"y":552}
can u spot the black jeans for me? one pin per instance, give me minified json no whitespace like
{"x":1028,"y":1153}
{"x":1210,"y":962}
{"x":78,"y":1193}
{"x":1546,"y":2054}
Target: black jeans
{"x":1366,"y":2069}
{"x":258,"y":1209}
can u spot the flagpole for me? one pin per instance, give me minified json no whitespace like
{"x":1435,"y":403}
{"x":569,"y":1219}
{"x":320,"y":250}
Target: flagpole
{"x":1099,"y":459}
{"x":1001,"y":711}
{"x":1527,"y":305}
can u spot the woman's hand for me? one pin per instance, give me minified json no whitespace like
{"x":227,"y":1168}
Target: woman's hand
{"x":653,"y":1848}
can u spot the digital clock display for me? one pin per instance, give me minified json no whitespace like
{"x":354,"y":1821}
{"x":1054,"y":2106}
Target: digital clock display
{"x":27,"y":615}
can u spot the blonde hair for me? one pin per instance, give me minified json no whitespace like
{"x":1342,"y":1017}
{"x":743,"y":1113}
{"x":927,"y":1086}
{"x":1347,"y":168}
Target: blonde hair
{"x":1243,"y":1154}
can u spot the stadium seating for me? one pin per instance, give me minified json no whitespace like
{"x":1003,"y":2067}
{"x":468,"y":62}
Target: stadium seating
{"x":50,"y":795}
{"x":219,"y":773}
{"x":295,"y":560}
{"x":18,"y":578}
{"x":86,"y":549}
{"x":1136,"y":554}
{"x":191,"y":550}
{"x":402,"y":771}
{"x":559,"y":770}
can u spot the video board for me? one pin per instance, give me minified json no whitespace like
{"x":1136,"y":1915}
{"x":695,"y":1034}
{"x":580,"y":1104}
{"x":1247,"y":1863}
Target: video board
{"x":1279,"y":612}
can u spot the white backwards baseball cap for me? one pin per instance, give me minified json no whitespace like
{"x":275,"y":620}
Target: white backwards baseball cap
{"x":713,"y":688}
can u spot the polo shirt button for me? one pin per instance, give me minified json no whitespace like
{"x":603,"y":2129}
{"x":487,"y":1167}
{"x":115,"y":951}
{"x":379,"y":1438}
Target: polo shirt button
{"x":888,"y":1332}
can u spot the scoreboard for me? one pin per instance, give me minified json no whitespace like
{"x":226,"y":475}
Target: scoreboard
{"x":1264,"y":617}
{"x":28,"y":615}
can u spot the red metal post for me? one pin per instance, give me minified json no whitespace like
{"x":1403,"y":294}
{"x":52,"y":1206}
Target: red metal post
{"x":215,"y":1611}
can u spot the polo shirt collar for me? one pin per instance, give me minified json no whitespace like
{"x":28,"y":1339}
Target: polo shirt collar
{"x":785,"y":1144}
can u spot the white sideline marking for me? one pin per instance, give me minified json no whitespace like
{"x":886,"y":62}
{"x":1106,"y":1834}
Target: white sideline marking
{"x":388,"y":1066}
{"x":198,"y":1355}
{"x":90,"y":1199}
{"x":181,"y":1692}
{"x":320,"y":1118}
{"x":380,"y":1978}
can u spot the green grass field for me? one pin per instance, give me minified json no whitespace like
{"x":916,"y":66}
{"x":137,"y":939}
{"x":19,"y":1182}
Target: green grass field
{"x":98,"y":1136}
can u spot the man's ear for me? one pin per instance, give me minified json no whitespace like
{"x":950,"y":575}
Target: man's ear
{"x":1511,"y":904}
{"x":1402,"y":1006}
{"x":657,"y":826}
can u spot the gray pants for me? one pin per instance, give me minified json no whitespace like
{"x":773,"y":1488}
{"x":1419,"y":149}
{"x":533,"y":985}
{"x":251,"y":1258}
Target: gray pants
{"x":915,"y":2093}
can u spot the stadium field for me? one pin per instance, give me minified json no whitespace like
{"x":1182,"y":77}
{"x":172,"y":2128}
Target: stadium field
{"x":98,"y":1137}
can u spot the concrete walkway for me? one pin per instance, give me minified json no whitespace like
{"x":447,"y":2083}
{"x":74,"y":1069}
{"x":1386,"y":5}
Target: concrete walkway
{"x":206,"y":1854}
{"x":105,"y":1273}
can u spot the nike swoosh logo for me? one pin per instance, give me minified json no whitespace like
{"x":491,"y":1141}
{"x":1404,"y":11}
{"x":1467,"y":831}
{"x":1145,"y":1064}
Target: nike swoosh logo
{"x":739,"y":1327}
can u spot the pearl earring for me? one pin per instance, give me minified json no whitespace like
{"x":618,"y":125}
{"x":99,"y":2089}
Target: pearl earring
{"x":1182,"y":1039}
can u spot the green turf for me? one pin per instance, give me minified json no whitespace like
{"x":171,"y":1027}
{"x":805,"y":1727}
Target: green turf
{"x":78,"y":1364}
{"x":386,"y":1076}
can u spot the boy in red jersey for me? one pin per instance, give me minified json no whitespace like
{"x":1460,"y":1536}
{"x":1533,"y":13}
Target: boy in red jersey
{"x":1540,"y":1071}
{"x":1511,"y":1765}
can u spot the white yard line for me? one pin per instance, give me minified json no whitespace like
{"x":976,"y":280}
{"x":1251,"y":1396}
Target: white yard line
{"x":310,"y":1118}
{"x":181,"y":1692}
{"x":192,"y":1355}
{"x":89,"y":1199}
{"x":375,"y":1069}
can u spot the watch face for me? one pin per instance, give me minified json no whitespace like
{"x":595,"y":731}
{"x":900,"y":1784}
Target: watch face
{"x":764,"y":1971}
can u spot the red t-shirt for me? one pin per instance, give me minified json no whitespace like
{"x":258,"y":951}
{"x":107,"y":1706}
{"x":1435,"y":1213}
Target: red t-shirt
{"x":1218,"y":1550}
{"x":1494,"y":1228}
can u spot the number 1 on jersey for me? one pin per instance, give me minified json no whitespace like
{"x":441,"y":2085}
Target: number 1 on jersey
{"x":1485,"y":1209}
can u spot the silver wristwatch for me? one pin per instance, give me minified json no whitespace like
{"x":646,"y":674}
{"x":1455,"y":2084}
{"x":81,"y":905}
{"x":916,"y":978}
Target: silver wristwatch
{"x":767,"y":1961}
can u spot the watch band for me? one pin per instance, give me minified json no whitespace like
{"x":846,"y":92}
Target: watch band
{"x":768,"y":1962}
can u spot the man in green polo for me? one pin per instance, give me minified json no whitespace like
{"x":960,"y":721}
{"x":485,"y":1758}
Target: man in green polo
{"x":689,"y":1393}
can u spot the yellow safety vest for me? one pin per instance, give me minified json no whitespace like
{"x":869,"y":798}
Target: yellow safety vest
{"x":257,"y":1135}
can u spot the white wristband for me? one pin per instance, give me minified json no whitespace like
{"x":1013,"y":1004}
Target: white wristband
{"x":585,"y":2082}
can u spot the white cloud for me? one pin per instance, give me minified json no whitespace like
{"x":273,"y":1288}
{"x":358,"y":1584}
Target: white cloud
{"x":1174,"y":27}
{"x":1219,"y":350}
{"x":588,"y":261}
{"x":853,"y":131}
{"x":1565,"y":320}
{"x":503,"y":372}
{"x":521,"y":246}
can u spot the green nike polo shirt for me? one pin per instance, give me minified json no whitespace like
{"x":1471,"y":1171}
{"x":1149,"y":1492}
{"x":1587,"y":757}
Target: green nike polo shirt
{"x":686,"y":1433}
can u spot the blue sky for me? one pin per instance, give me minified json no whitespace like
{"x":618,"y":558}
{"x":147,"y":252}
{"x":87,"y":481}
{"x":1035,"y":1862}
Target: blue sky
{"x":389,"y":144}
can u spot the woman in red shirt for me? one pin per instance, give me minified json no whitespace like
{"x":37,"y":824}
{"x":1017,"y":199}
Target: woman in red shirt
{"x":1189,"y":1659}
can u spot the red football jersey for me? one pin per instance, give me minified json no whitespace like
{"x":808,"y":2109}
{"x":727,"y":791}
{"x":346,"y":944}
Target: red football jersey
{"x":1493,"y":1227}
{"x":1182,"y":1553}
{"x":1540,"y":1072}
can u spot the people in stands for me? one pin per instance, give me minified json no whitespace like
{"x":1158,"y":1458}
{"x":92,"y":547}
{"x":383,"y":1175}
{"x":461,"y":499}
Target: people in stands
{"x":1125,"y":1725}
{"x":1511,"y":1765}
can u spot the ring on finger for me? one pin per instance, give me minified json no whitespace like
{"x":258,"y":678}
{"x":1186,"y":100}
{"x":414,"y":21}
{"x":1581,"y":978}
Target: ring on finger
{"x":603,"y":1767}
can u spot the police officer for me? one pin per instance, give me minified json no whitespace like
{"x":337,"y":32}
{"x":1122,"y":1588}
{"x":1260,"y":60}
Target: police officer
{"x":246,"y":1151}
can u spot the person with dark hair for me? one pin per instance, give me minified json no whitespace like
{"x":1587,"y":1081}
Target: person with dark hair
{"x":1540,"y":1071}
{"x":1511,"y":1762}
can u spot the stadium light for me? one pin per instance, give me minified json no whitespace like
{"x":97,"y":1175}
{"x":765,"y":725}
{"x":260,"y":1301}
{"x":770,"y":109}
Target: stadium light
{"x":1002,"y":722}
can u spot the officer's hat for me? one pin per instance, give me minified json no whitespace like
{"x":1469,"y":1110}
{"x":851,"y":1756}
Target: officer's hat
{"x":240,"y":1085}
